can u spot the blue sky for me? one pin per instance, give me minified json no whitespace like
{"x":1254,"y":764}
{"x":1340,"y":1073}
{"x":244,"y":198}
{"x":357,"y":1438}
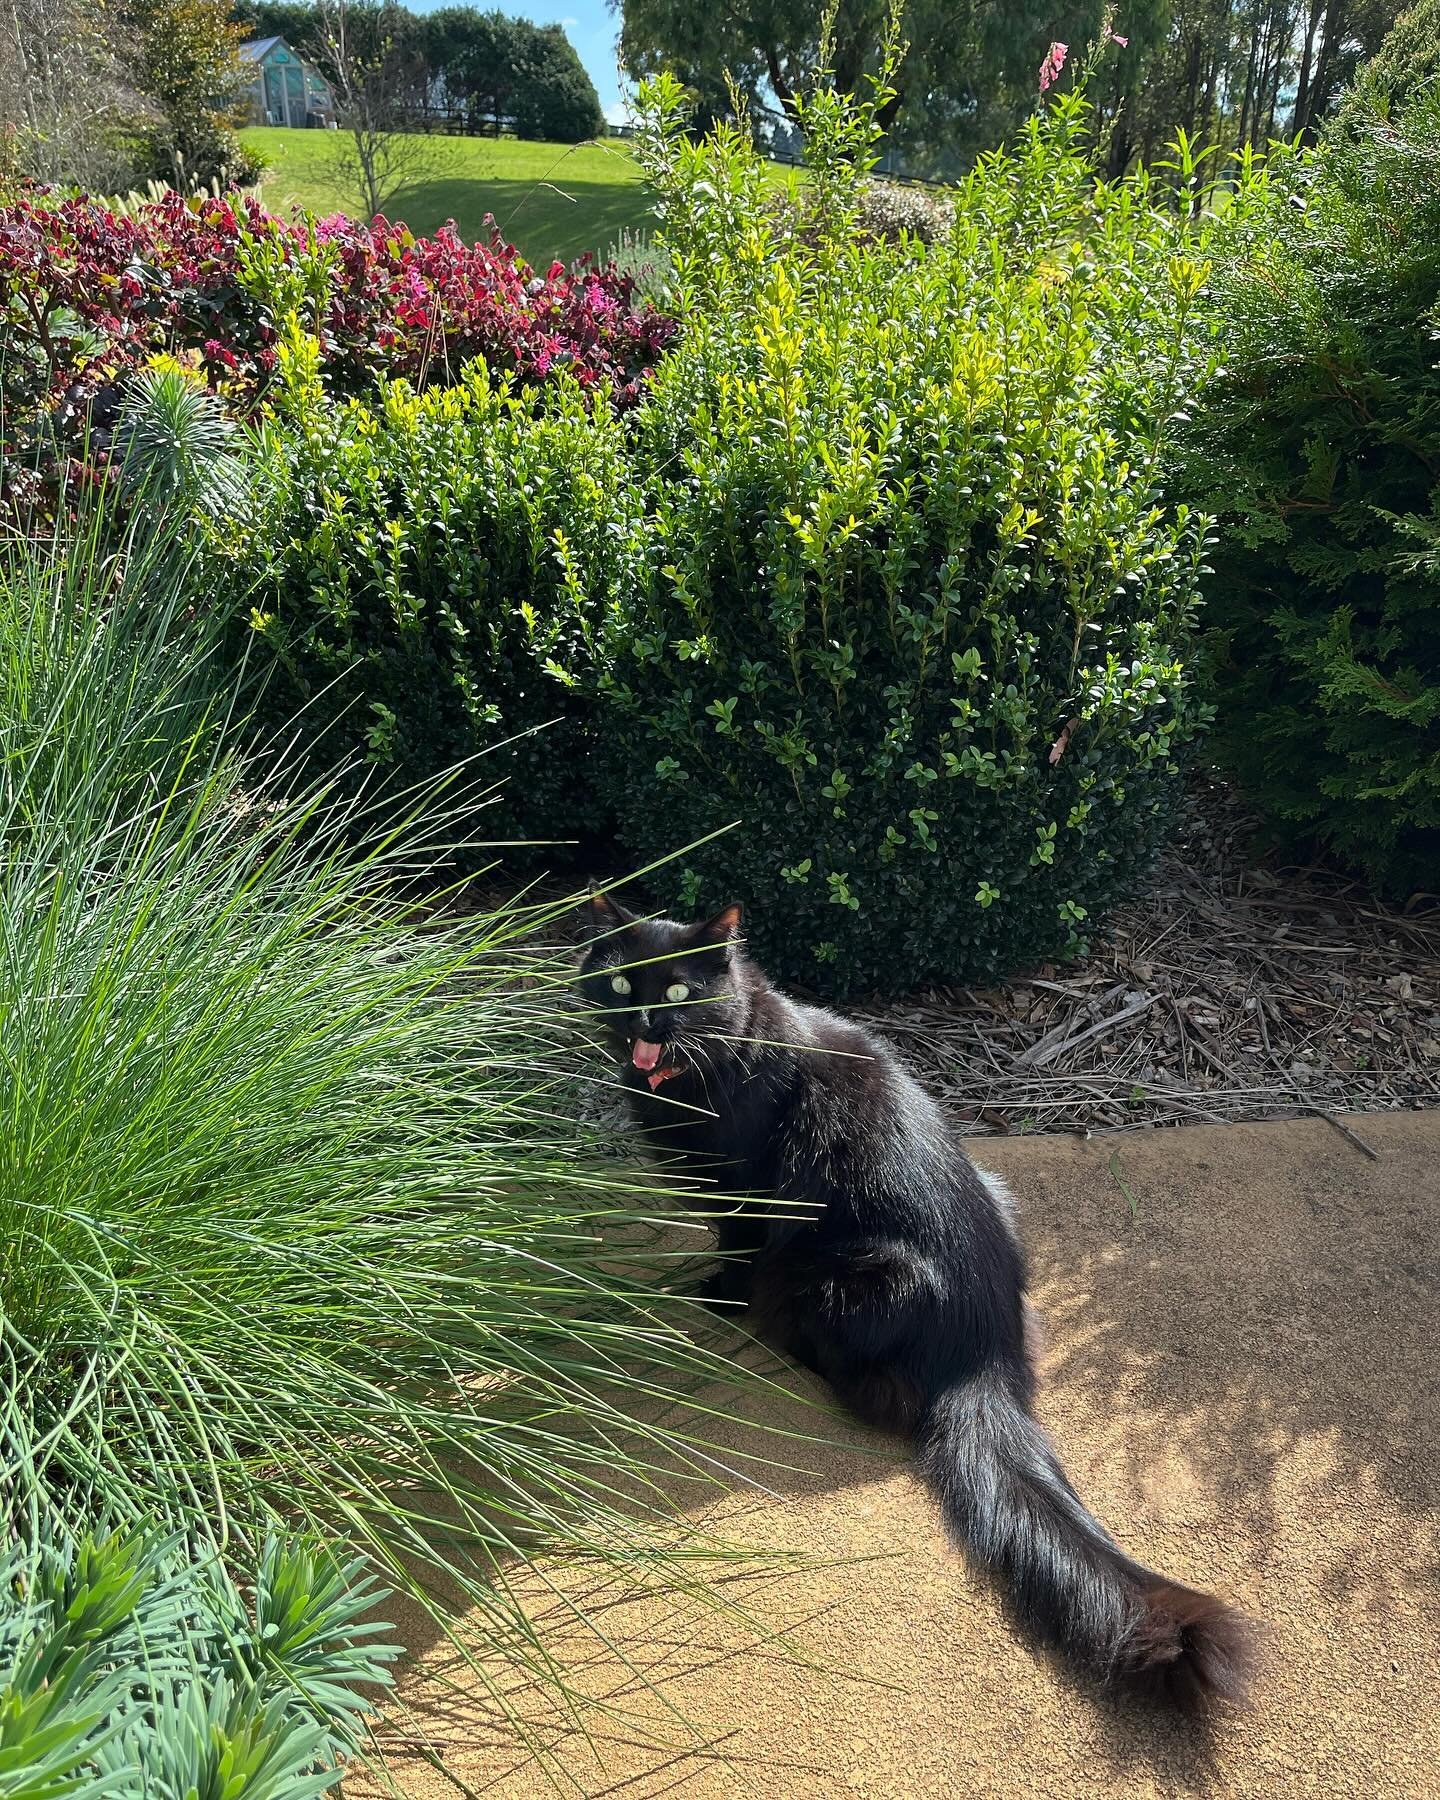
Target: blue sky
{"x":591,"y":27}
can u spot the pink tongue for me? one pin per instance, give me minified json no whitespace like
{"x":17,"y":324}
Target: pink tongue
{"x":645,"y":1055}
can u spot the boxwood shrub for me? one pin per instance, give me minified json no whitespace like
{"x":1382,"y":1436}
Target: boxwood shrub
{"x":430,"y":567}
{"x":915,"y":613}
{"x":1319,"y":447}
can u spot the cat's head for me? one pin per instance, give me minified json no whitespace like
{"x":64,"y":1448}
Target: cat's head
{"x":662,"y":989}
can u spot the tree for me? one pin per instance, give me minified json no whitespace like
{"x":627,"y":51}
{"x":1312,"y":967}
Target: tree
{"x":294,"y":20}
{"x":969,"y":73}
{"x":369,"y":54}
{"x":473,"y":57}
{"x":498,"y":71}
{"x":554,"y":97}
{"x":1230,"y":72}
{"x":185,"y":58}
{"x":67,"y":104}
{"x":508,"y":72}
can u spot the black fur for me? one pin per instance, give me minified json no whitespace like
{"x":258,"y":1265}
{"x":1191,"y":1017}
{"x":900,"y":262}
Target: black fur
{"x":900,"y":1279}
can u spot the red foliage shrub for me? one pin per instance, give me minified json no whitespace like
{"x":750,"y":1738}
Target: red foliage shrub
{"x":87,"y":295}
{"x":423,"y":307}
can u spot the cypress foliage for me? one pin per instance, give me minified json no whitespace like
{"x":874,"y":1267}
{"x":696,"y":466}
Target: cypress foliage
{"x":1408,"y":58}
{"x":1318,"y":448}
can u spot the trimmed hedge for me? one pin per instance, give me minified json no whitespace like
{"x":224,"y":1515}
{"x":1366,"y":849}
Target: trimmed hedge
{"x":878,"y":566}
{"x":1319,"y":449}
{"x":916,"y":615}
{"x":428,"y":563}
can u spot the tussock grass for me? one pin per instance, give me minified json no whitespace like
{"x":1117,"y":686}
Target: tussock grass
{"x":295,"y":1222}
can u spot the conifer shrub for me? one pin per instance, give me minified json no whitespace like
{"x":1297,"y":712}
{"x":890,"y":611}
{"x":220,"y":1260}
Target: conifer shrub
{"x":1318,"y":447}
{"x":1407,"y":61}
{"x":915,"y":613}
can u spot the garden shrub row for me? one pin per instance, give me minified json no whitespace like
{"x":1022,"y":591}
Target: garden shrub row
{"x":89,"y":295}
{"x":434,"y":565}
{"x":1318,"y":448}
{"x":878,"y":566}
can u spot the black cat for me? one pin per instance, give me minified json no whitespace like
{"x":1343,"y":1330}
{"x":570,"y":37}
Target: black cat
{"x":900,"y":1279}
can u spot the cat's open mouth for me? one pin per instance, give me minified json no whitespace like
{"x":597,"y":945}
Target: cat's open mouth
{"x":656,"y":1062}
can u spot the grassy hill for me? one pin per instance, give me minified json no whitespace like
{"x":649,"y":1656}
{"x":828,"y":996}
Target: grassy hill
{"x":552,"y":200}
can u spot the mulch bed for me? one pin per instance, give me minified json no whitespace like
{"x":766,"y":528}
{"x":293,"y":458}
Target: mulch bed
{"x":1238,"y":987}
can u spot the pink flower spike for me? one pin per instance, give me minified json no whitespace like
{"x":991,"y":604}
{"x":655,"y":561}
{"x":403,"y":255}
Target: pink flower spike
{"x":1123,"y":42}
{"x":1054,"y":62}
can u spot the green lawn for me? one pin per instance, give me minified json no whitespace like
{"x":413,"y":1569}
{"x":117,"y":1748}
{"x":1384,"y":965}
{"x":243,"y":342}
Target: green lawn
{"x":552,"y":200}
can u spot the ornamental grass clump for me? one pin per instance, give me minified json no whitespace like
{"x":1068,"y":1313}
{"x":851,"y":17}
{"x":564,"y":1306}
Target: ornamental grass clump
{"x":298,"y":1227}
{"x":916,"y":613}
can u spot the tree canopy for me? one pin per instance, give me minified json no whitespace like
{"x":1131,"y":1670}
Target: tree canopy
{"x":1230,"y":72}
{"x":183,"y":59}
{"x":969,"y":70}
{"x":499,"y":71}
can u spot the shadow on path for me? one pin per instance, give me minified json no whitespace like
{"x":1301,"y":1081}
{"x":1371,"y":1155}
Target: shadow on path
{"x":1241,"y":1379}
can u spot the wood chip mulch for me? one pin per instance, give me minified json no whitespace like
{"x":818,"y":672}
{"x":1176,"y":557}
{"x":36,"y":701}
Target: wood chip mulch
{"x":1236,"y":988}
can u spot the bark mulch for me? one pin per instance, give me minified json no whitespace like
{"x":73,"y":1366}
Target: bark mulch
{"x":1237,"y":987}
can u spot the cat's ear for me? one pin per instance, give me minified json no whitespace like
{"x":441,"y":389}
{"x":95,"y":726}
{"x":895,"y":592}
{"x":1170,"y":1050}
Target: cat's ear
{"x":724,"y":928}
{"x":604,"y":913}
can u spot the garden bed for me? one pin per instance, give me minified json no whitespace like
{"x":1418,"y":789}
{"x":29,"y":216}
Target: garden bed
{"x":1237,"y":987}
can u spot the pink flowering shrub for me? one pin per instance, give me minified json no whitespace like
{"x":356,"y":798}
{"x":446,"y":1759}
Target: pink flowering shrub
{"x":88,"y":295}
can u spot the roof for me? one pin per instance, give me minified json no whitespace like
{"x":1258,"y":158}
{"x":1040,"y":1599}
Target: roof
{"x":259,"y":48}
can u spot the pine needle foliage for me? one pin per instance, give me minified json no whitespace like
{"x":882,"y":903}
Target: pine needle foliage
{"x":1407,"y":61}
{"x":1318,"y":447}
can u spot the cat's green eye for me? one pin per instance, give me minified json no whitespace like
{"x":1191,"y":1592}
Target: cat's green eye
{"x":677,"y":991}
{"x":619,"y":984}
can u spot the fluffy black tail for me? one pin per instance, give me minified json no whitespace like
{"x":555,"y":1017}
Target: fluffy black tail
{"x":1007,"y":1498}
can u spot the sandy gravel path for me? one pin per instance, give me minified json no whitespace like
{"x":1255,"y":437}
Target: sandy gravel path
{"x":1242,"y":1377}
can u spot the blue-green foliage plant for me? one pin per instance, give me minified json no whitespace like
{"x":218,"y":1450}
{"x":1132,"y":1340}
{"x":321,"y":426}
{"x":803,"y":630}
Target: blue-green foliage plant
{"x":133,"y":1666}
{"x":916,"y":613}
{"x":1317,"y":445}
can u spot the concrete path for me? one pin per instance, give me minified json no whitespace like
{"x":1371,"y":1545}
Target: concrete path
{"x":1241,"y":1375}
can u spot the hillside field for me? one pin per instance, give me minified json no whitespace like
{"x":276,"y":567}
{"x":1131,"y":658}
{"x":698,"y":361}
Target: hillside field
{"x":552,"y":200}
